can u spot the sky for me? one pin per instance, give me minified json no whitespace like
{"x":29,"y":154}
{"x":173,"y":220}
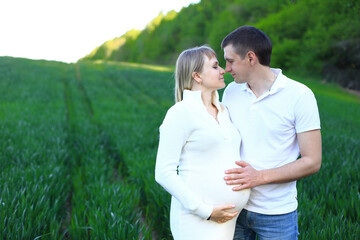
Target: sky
{"x":67,"y":30}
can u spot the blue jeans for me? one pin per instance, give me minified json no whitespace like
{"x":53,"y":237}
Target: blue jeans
{"x":266,"y":227}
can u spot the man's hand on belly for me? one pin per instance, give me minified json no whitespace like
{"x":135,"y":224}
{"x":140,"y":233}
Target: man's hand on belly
{"x":245,"y":176}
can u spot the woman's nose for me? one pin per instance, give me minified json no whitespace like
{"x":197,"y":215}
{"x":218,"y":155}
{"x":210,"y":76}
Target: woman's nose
{"x":222,"y":71}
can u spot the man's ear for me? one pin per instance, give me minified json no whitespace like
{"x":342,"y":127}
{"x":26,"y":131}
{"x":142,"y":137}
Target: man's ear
{"x":252,"y":57}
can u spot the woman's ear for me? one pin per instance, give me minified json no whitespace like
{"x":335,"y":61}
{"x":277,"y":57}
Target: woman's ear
{"x":196,"y":77}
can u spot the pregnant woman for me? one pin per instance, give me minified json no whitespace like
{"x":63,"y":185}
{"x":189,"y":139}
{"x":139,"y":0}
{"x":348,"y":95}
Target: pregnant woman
{"x":197,"y":144}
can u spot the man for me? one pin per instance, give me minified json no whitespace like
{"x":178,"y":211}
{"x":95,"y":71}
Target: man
{"x":278,"y":119}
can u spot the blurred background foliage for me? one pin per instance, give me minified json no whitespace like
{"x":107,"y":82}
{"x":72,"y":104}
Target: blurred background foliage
{"x":320,"y":37}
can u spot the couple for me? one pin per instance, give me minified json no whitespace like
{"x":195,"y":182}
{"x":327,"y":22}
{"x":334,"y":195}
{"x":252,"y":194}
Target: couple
{"x":232,"y":169}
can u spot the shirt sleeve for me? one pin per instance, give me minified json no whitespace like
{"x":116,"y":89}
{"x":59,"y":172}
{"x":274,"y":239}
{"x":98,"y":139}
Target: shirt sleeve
{"x":306,"y":113}
{"x":173,"y":136}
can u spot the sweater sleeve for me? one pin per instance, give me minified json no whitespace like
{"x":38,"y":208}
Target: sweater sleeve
{"x":174,"y":133}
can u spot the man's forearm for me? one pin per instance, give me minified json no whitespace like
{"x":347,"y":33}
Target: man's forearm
{"x":301,"y":168}
{"x":308,"y":164}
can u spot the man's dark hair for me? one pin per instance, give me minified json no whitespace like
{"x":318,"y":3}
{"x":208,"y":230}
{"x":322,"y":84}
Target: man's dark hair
{"x":248,"y":38}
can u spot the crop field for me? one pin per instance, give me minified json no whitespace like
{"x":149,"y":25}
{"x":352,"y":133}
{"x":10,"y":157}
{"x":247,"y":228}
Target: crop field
{"x":78,"y":145}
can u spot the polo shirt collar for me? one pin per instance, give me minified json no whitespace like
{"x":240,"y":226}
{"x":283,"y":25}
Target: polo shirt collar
{"x":195,"y":96}
{"x":280,"y":82}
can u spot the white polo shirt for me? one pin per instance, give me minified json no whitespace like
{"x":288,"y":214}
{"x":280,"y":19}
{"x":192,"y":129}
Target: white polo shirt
{"x":268,"y":126}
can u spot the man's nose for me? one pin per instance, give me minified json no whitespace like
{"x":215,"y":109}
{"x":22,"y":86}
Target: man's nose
{"x":227,"y":68}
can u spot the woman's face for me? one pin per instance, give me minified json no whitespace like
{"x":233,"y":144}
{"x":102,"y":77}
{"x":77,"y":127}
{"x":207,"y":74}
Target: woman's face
{"x":212,"y":75}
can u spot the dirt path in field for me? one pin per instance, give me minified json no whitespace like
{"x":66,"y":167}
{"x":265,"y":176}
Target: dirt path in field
{"x":354,"y":92}
{"x":106,"y":140}
{"x":70,"y":129}
{"x":84,"y":95}
{"x":120,"y":169}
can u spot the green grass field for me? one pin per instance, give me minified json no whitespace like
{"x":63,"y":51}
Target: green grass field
{"x":78,"y":145}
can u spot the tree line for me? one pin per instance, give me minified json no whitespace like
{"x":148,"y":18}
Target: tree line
{"x":312,"y":36}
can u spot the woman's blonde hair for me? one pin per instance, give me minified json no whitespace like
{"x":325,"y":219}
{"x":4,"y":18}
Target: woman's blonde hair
{"x":189,"y":61}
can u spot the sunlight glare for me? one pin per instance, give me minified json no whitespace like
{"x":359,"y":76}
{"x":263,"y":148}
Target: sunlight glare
{"x":66,"y":30}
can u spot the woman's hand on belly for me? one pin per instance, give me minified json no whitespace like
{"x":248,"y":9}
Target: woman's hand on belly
{"x":221,"y":214}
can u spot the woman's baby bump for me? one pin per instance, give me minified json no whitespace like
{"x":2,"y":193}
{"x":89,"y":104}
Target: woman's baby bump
{"x":210,"y":185}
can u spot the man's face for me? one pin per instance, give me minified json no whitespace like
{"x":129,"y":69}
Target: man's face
{"x":235,"y":65}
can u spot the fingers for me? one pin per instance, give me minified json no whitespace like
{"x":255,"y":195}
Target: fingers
{"x":228,"y":217}
{"x":221,"y":214}
{"x":225,"y":213}
{"x":227,"y":207}
{"x":241,"y":164}
{"x":234,"y":179}
{"x":240,"y":187}
{"x":234,"y":171}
